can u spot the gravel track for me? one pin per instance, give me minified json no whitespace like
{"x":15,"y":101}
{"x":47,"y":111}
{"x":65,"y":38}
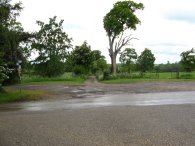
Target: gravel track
{"x":165,"y":125}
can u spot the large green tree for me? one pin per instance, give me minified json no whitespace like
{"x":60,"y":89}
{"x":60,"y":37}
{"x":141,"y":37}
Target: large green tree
{"x":11,"y":34}
{"x":52,"y":45}
{"x":128,"y":58}
{"x":188,"y":60}
{"x":120,"y":18}
{"x":145,"y":61}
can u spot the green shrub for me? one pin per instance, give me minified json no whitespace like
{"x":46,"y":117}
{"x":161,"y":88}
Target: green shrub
{"x":186,"y":76}
{"x":51,"y":68}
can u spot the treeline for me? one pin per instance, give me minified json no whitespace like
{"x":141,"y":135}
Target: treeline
{"x":56,"y":54}
{"x":130,"y":61}
{"x":169,"y":67}
{"x":53,"y":46}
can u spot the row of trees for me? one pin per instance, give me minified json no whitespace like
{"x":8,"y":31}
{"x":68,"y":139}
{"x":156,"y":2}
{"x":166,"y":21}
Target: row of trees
{"x":56,"y":53}
{"x":53,"y":45}
{"x":131,"y":61}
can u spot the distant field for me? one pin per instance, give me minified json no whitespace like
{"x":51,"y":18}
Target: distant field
{"x":171,"y":75}
{"x":149,"y":77}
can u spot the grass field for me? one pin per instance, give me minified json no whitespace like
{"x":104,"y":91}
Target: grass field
{"x":151,"y":77}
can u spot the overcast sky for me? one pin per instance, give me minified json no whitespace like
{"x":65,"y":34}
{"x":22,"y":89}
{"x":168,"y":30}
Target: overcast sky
{"x":167,"y":26}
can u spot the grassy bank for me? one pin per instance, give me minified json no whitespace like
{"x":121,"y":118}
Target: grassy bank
{"x":16,"y":95}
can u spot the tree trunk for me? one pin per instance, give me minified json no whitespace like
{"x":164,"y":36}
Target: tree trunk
{"x":113,"y":63}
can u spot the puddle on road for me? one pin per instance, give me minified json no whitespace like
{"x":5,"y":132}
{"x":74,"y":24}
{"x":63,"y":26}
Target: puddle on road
{"x":122,"y":99}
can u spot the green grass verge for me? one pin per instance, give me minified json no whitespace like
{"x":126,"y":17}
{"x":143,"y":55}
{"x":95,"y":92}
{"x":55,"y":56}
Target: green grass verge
{"x":64,"y":79}
{"x":129,"y":81}
{"x":16,"y":95}
{"x":125,"y":78}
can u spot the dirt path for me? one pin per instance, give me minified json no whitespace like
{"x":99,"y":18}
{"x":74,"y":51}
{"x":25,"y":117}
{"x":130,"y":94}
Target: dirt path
{"x":72,"y":91}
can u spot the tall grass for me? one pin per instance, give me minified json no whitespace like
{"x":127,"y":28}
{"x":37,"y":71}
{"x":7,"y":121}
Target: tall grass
{"x":16,"y":95}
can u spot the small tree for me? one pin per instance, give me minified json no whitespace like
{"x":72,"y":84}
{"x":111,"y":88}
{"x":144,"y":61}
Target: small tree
{"x":128,"y":58}
{"x":82,"y":59}
{"x":120,"y":18}
{"x":145,"y":61}
{"x":85,"y":61}
{"x":51,"y":43}
{"x":188,"y":60}
{"x":99,"y":62}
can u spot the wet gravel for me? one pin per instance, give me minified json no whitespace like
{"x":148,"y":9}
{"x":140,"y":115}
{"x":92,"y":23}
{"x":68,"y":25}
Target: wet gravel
{"x":160,"y":125}
{"x":172,"y":125}
{"x":79,"y":91}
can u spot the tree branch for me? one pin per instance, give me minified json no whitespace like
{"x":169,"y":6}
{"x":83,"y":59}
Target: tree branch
{"x":123,"y":42}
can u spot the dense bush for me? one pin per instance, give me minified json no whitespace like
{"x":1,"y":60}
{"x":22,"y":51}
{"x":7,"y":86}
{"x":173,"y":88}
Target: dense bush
{"x":51,"y":68}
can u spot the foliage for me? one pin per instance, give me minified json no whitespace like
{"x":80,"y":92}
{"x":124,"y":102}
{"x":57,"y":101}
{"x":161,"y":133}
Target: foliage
{"x":4,"y":71}
{"x":128,"y":58}
{"x":120,"y":18}
{"x":145,"y":61}
{"x":85,"y":61}
{"x":81,"y":59}
{"x":188,"y":60}
{"x":99,"y":62}
{"x":168,"y":67}
{"x":11,"y":34}
{"x":52,"y":44}
{"x":53,"y":67}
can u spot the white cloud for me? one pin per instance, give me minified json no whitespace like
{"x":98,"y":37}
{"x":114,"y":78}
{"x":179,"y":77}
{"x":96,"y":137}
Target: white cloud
{"x":167,"y":27}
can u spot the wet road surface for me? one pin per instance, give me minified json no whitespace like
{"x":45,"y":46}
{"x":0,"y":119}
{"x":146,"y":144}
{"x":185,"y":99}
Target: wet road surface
{"x":121,"y":119}
{"x":90,"y":100}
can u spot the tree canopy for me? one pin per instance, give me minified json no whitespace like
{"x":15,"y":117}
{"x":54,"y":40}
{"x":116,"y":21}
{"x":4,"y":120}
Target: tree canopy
{"x":85,"y":61}
{"x":121,"y":17}
{"x":188,"y":60}
{"x":146,"y":61}
{"x":11,"y":34}
{"x":52,"y":45}
{"x":128,"y":58}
